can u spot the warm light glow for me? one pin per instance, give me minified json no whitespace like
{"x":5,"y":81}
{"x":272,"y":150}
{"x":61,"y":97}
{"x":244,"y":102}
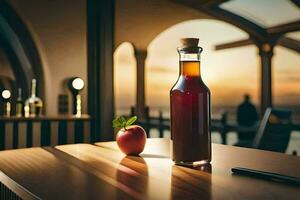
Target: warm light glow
{"x":124,"y":77}
{"x":228,"y":73}
{"x":286,"y":79}
{"x":78,"y":84}
{"x":6,"y":94}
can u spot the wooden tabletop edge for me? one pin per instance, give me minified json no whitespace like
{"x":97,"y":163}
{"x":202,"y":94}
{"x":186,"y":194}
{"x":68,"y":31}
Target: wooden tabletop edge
{"x":16,"y":188}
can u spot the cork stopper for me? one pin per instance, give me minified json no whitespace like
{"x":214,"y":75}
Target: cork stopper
{"x":189,"y":42}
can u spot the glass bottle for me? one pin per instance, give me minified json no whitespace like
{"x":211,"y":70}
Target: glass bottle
{"x":190,"y":110}
{"x":19,"y":104}
{"x":34,"y":104}
{"x":7,"y":109}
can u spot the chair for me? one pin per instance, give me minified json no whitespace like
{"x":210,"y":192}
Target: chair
{"x":274,"y":131}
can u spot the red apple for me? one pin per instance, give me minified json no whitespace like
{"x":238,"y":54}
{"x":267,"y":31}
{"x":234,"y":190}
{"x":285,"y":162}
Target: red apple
{"x":131,"y":140}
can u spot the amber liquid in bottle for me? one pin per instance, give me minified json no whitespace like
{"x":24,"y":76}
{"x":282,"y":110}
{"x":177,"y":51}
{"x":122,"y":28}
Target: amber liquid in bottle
{"x":190,"y":114}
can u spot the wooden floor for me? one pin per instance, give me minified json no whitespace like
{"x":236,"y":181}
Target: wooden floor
{"x":101,"y":171}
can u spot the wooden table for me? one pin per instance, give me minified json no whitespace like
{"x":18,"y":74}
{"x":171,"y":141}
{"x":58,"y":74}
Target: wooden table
{"x":101,"y":171}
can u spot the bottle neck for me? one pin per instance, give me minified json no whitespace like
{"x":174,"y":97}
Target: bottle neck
{"x":33,"y":88}
{"x":19,"y":94}
{"x":190,"y":69}
{"x":189,"y":59}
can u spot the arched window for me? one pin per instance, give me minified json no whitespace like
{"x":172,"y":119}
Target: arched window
{"x":228,"y":73}
{"x":124,"y":78}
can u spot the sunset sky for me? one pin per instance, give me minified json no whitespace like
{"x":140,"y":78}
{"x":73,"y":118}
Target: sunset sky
{"x":228,"y":73}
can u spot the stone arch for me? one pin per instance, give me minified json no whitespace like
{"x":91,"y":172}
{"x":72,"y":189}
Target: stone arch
{"x":141,"y":30}
{"x":154,"y":64}
{"x":21,"y":50}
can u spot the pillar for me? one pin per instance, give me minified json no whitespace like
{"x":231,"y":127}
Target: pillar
{"x":140,"y":56}
{"x":266,"y":54}
{"x":100,"y":46}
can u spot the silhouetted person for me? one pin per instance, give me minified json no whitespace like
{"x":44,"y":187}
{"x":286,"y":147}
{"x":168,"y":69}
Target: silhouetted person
{"x":246,"y":116}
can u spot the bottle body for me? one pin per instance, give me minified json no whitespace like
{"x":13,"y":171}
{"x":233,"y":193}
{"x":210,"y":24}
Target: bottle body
{"x":19,"y":104}
{"x":34,"y":104}
{"x":190,"y":116}
{"x":7,"y":109}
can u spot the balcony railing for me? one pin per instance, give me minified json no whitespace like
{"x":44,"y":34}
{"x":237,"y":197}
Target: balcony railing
{"x":16,"y":132}
{"x":218,"y":125}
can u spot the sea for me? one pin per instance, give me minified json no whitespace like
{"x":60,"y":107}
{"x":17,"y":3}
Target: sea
{"x":217,"y":111}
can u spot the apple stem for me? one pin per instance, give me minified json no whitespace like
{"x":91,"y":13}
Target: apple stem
{"x":124,"y":126}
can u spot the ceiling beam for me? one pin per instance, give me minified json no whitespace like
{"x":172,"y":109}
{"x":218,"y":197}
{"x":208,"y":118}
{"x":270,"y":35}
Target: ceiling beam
{"x":296,"y":2}
{"x":285,"y":28}
{"x":289,"y":43}
{"x":209,"y":3}
{"x":251,"y":28}
{"x":234,"y":44}
{"x":256,"y":32}
{"x":283,"y":41}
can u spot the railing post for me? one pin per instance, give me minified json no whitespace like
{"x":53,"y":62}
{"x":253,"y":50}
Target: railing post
{"x":46,"y":133}
{"x":224,"y":129}
{"x":29,"y":134}
{"x":16,"y":135}
{"x":62,"y":132}
{"x":78,"y":132}
{"x":2,"y":135}
{"x":160,"y":124}
{"x":132,"y":111}
{"x":147,"y":121}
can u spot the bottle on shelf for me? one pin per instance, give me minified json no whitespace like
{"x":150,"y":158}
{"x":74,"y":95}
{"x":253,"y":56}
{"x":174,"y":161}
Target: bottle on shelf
{"x":33,"y":105}
{"x":190,"y":110}
{"x":19,"y":104}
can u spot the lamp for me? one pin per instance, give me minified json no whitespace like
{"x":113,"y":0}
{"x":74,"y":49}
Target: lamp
{"x":6,"y":94}
{"x":76,"y":85}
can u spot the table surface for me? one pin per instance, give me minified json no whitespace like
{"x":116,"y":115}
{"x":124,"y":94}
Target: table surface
{"x":101,"y":171}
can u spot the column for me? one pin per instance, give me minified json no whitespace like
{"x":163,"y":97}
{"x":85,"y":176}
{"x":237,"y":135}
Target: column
{"x":266,"y":54}
{"x":100,"y":46}
{"x":140,"y":56}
